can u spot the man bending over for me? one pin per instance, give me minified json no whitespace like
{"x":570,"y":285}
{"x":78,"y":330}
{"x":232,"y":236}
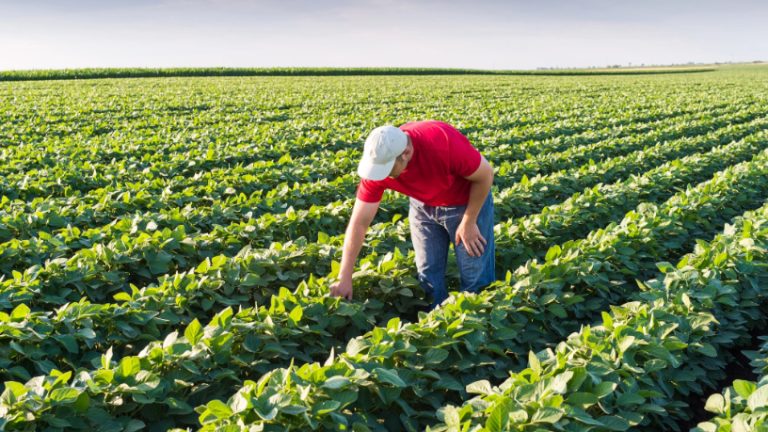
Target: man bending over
{"x":449,"y":185}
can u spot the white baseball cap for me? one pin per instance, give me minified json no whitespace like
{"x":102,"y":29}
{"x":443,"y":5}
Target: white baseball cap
{"x":382,"y":147}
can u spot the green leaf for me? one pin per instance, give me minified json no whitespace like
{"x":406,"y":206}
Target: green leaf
{"x":238,"y":403}
{"x":615,"y":423}
{"x":604,"y":389}
{"x":582,"y":399}
{"x":720,"y":258}
{"x":336,"y":382}
{"x":518,"y":416}
{"x":355,"y":346}
{"x":64,"y":395}
{"x":498,"y":420}
{"x":560,"y":382}
{"x":626,"y":343}
{"x":106,"y":359}
{"x":665,"y":267}
{"x":17,"y":389}
{"x":326,"y":407}
{"x":128,"y":367}
{"x":87,"y":333}
{"x":715,"y":404}
{"x":122,"y":296}
{"x":547,"y":415}
{"x":533,"y":362}
{"x":203,"y":266}
{"x":451,"y":417}
{"x":758,"y":398}
{"x":20,"y":312}
{"x":705,"y":427}
{"x":389,"y":376}
{"x":630,"y":399}
{"x":296,"y":314}
{"x":193,"y":332}
{"x":553,"y":253}
{"x":482,"y":387}
{"x":134,"y":426}
{"x":323,"y":238}
{"x":708,"y":350}
{"x":744,"y":388}
{"x":83,"y":402}
{"x":435,"y":356}
{"x":557,"y":310}
{"x":69,"y":342}
{"x":607,"y":320}
{"x":219,"y":409}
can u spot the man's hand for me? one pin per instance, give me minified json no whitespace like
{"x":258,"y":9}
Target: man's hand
{"x":362,"y":215}
{"x":342,"y":288}
{"x":469,"y":234}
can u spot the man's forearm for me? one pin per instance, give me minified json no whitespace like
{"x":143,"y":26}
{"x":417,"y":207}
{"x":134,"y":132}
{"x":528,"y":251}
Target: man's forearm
{"x":353,"y":242}
{"x":478,"y":192}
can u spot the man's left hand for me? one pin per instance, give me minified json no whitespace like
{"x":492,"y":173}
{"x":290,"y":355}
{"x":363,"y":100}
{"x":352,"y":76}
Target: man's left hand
{"x":469,"y":234}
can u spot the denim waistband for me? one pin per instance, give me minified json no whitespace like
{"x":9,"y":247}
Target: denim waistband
{"x":417,"y":203}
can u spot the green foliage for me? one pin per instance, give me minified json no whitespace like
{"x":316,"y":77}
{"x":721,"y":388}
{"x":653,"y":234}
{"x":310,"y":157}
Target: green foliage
{"x":165,"y":247}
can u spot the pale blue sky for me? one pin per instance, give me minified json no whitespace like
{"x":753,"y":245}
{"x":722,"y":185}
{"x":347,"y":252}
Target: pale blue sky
{"x":430,"y":33}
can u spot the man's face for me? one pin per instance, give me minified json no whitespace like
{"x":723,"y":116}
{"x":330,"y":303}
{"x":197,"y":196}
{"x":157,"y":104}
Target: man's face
{"x":402,"y":161}
{"x":398,"y":167}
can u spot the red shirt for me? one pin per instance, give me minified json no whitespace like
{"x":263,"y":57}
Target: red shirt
{"x":442,"y":157}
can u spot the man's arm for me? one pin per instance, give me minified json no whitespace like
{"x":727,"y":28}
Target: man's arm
{"x":468,"y":232}
{"x":362,"y":216}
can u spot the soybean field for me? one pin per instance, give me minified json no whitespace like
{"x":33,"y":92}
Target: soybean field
{"x":167,"y":246}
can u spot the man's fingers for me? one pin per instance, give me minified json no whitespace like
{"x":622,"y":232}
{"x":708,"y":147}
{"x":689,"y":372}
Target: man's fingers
{"x":480,"y":248}
{"x":472,"y":249}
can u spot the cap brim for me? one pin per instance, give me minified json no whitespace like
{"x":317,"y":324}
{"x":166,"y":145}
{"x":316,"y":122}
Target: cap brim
{"x":371,"y":171}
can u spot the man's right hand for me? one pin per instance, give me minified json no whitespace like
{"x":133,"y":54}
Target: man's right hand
{"x":342,"y":288}
{"x":362,"y":215}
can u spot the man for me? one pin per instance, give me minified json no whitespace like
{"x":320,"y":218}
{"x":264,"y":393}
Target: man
{"x":449,"y":183}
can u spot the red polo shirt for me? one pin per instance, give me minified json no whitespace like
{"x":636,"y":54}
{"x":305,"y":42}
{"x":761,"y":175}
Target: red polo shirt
{"x":442,"y":157}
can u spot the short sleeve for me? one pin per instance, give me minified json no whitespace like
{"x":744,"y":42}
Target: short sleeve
{"x":370,"y":191}
{"x":464,"y":157}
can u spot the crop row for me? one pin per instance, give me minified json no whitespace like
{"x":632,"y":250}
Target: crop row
{"x":484,"y":336}
{"x":99,"y":271}
{"x":212,"y":218}
{"x":174,"y":250}
{"x":21,"y":219}
{"x":253,"y":275}
{"x":580,"y":132}
{"x":151,"y":134}
{"x":465,"y":335}
{"x":743,"y":406}
{"x":647,"y":358}
{"x":519,"y":199}
{"x":151,"y":158}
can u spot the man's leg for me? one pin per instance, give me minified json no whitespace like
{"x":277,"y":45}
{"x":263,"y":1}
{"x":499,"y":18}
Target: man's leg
{"x":476,"y":272}
{"x":430,"y":242}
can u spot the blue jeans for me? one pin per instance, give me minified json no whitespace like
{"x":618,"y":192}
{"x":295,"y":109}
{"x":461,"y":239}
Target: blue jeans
{"x":433,"y":230}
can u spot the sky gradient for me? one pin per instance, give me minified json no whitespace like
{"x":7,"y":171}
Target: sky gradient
{"x":493,"y":34}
